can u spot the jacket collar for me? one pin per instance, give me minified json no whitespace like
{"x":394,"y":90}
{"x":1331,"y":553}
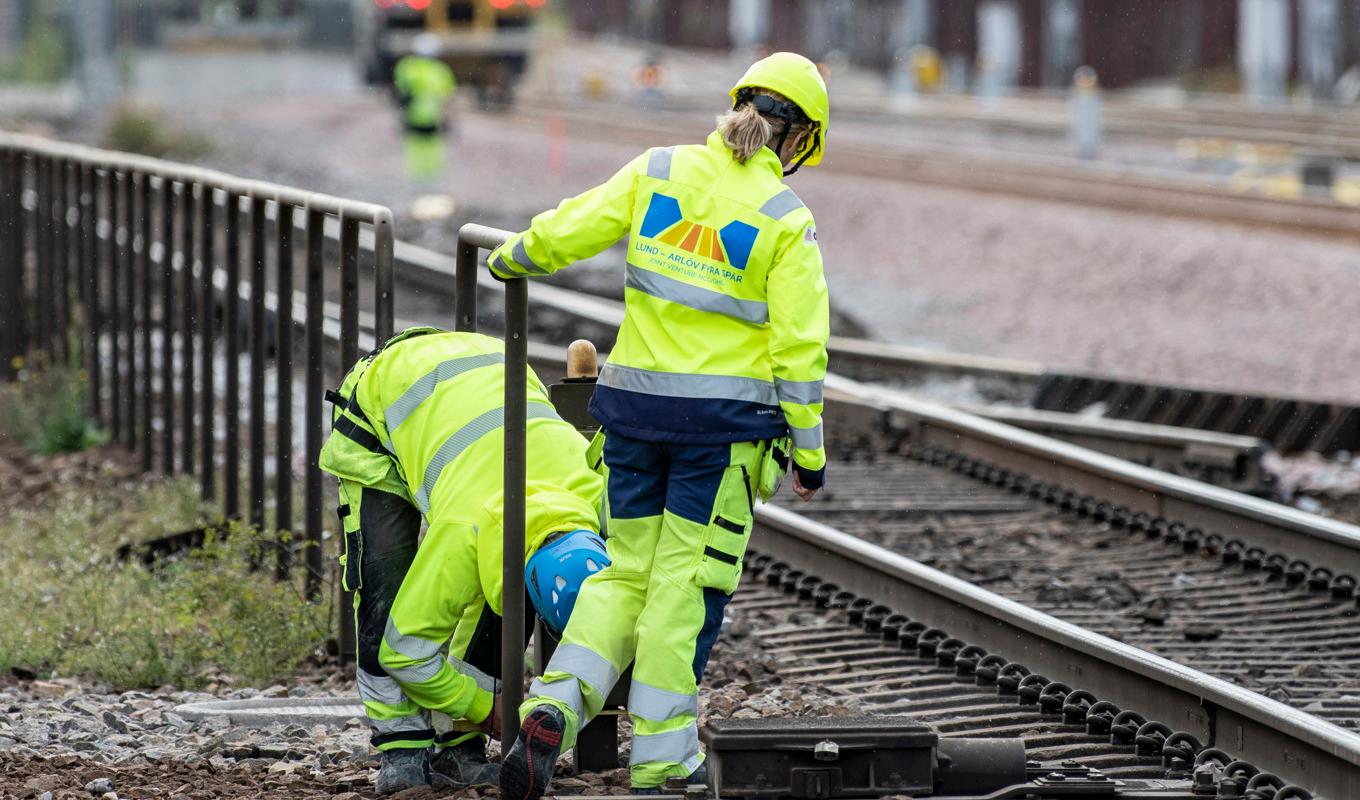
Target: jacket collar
{"x":764,"y":157}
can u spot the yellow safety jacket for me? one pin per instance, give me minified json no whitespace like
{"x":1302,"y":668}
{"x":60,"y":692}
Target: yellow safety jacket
{"x":431,"y":402}
{"x":724,"y":338}
{"x":423,"y":85}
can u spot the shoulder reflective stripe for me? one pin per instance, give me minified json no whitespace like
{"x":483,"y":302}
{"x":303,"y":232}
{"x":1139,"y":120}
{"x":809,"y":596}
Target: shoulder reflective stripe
{"x":387,"y":727}
{"x":521,"y":257}
{"x":801,"y":392}
{"x":463,"y":438}
{"x":659,"y":705}
{"x":417,"y":673}
{"x":412,"y":647}
{"x":659,"y":163}
{"x":671,"y":747}
{"x":567,"y":691}
{"x":696,"y":297}
{"x":484,"y":681}
{"x":678,"y":384}
{"x":587,"y":665}
{"x":379,"y":689}
{"x":781,"y":204}
{"x":806,"y":438}
{"x":420,"y":391}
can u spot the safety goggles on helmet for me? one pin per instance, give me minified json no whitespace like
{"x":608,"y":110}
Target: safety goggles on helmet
{"x":798,"y":80}
{"x":555,"y":573}
{"x":789,"y":113}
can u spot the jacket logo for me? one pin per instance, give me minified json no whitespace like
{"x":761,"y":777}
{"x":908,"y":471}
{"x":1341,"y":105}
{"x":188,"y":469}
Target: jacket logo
{"x":730,"y":244}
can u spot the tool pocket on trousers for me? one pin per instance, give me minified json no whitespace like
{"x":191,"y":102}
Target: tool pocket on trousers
{"x":352,"y":559}
{"x":727,"y":533}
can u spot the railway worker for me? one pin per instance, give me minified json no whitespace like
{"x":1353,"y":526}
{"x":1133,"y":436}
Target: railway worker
{"x":417,"y":432}
{"x":424,"y":86}
{"x":719,"y":362}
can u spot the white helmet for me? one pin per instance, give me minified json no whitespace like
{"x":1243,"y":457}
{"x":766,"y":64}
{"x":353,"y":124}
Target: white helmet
{"x":425,"y":44}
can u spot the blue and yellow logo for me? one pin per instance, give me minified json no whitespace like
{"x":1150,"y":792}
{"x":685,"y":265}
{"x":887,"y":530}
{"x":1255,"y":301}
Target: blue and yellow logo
{"x":730,"y":244}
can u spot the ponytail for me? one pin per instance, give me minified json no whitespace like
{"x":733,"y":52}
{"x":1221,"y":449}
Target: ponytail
{"x":744,"y":131}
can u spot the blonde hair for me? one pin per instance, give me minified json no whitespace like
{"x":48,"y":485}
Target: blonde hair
{"x":745,"y":130}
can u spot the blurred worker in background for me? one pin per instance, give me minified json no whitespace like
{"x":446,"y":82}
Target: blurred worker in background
{"x":424,"y":86}
{"x":417,"y":431}
{"x":715,"y":378}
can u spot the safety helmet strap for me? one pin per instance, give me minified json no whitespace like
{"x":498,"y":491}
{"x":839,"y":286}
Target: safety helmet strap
{"x":785,"y":110}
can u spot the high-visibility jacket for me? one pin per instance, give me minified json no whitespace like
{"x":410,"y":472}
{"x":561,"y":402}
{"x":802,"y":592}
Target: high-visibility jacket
{"x":724,"y":338}
{"x":424,"y":85}
{"x":433,"y":403}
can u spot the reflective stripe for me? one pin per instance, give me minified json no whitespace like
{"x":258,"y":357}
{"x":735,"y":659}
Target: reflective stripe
{"x":671,"y":747}
{"x":806,"y":438}
{"x":659,"y":163}
{"x":567,"y":691}
{"x":514,"y":268}
{"x":801,"y":392}
{"x":679,"y":384}
{"x":463,"y":438}
{"x":386,"y":727}
{"x":587,"y":665}
{"x":412,"y":647}
{"x":420,"y":391}
{"x":484,"y":681}
{"x":659,"y":705}
{"x":779,"y":205}
{"x":379,"y":689}
{"x":521,"y":257}
{"x":417,"y":673}
{"x":696,"y":297}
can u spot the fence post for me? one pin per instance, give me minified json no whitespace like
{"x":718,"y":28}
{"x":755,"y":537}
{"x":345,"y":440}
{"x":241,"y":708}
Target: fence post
{"x":512,"y":561}
{"x":187,"y":327}
{"x":349,"y":353}
{"x":128,"y":313}
{"x":231,"y":326}
{"x":13,"y":333}
{"x":144,"y":218}
{"x":283,"y":370}
{"x":207,"y":309}
{"x":316,"y":239}
{"x":258,"y":206}
{"x":167,"y":273}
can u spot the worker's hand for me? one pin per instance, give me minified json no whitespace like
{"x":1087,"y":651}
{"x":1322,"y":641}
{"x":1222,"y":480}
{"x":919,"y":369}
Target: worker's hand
{"x":801,"y":490}
{"x":491,"y":726}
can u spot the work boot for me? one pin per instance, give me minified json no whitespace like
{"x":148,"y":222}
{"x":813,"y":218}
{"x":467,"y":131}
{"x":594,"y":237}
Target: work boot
{"x":527,"y":768}
{"x":698,"y":776}
{"x":403,"y":768}
{"x":463,"y":764}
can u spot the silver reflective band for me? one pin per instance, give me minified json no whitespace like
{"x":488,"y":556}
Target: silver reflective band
{"x":671,"y":747}
{"x":659,"y":705}
{"x":802,"y":392}
{"x":806,"y":438}
{"x":567,"y":691}
{"x":417,"y":673}
{"x":587,"y":665}
{"x":659,"y":163}
{"x":779,"y":205}
{"x":484,"y":681}
{"x":516,"y":269}
{"x":696,"y":297}
{"x":412,"y":647}
{"x":379,"y":689}
{"x":422,"y":389}
{"x":399,"y":725}
{"x":521,"y":257}
{"x":463,"y":438}
{"x":679,"y":384}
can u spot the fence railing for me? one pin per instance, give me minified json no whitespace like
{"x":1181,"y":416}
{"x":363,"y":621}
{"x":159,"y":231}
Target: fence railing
{"x":169,"y":285}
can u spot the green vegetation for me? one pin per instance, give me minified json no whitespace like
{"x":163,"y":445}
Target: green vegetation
{"x":45,"y":411}
{"x":149,"y":133}
{"x":79,"y":612}
{"x":46,"y":54}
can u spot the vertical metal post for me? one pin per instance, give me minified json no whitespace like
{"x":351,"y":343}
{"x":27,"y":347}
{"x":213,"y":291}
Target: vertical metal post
{"x":384,"y":312}
{"x":60,"y":264}
{"x":187,"y":325}
{"x":465,"y":290}
{"x":315,"y":343}
{"x":114,"y":247}
{"x":349,"y":353}
{"x":79,"y":240}
{"x":231,"y":331}
{"x":127,"y":396}
{"x":257,"y":290}
{"x":94,"y":366}
{"x":144,"y":271}
{"x":167,"y":273}
{"x":42,"y":226}
{"x":512,"y":577}
{"x":283,"y":371}
{"x":11,"y":262}
{"x":207,"y":478}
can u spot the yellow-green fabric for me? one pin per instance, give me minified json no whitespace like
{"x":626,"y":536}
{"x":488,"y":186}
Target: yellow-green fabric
{"x":430,"y":405}
{"x":648,"y":607}
{"x":424,"y":155}
{"x":425,"y":85}
{"x":724,"y":337}
{"x":798,"y":79}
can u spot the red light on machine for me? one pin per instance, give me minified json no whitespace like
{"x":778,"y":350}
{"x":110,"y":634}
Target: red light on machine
{"x":501,"y":5}
{"x":418,"y":5}
{"x":534,"y":3}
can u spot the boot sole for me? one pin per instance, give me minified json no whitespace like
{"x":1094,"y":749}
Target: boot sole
{"x":528,"y":767}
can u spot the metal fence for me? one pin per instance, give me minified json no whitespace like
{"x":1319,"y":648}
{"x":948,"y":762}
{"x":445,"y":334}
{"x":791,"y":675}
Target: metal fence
{"x":170,"y":286}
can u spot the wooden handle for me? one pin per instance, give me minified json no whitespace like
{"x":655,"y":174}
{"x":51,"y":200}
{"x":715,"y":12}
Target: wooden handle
{"x":581,"y":360}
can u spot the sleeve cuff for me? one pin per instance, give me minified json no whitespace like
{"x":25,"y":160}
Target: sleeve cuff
{"x":482,"y":703}
{"x":810,"y":478}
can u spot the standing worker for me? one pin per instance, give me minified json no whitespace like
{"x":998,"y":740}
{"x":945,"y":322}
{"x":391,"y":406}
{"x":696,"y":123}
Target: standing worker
{"x":417,"y":431}
{"x":718,"y":366}
{"x":424,"y":86}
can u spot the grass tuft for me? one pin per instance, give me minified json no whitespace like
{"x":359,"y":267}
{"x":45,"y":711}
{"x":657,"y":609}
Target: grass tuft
{"x":45,"y":411}
{"x":148,"y":132}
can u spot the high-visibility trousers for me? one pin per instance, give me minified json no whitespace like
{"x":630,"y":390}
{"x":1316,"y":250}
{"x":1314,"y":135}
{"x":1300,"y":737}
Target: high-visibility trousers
{"x":679,"y":520}
{"x":381,"y":534}
{"x":424,"y":155}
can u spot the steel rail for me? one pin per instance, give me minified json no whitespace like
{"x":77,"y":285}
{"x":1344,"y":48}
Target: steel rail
{"x":1298,"y":746}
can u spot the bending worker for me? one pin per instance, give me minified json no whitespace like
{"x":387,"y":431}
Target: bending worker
{"x":417,"y":432}
{"x":424,"y":85}
{"x":718,"y":364}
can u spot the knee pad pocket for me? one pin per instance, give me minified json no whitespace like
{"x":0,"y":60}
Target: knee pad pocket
{"x":727,"y":533}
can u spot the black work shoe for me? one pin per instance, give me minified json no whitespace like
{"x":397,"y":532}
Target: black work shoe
{"x":527,"y":768}
{"x":402,"y":769}
{"x":463,"y":764}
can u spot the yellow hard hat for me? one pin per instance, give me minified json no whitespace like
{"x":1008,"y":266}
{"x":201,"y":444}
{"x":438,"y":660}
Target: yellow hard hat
{"x":796,"y":78}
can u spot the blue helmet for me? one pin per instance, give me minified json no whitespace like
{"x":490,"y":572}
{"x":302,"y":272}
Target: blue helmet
{"x":555,"y":573}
